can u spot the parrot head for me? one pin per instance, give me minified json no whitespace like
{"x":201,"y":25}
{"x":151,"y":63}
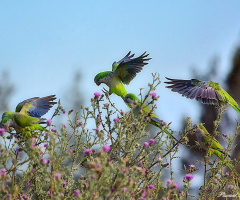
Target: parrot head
{"x":101,"y":77}
{"x":6,"y":116}
{"x":6,"y":121}
{"x":199,"y":130}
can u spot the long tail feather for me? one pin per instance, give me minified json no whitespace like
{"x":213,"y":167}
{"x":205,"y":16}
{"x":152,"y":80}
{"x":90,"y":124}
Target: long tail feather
{"x":235,"y":107}
{"x":222,"y":158}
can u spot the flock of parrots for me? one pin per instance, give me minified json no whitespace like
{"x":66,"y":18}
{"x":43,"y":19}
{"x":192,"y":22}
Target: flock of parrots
{"x":27,"y":117}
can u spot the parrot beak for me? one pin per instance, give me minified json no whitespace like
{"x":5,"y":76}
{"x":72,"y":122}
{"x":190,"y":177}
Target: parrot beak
{"x":98,"y":83}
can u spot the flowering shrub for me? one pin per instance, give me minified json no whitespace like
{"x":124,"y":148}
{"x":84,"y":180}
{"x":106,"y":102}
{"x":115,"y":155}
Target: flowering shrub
{"x":116,"y":159}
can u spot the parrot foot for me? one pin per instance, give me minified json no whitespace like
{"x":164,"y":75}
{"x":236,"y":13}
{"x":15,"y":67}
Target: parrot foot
{"x":106,"y":92}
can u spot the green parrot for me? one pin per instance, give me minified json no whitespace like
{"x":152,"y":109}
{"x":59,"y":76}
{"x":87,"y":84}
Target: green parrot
{"x":27,"y":116}
{"x":131,"y":99}
{"x":207,"y":92}
{"x":210,"y":144}
{"x":123,"y":72}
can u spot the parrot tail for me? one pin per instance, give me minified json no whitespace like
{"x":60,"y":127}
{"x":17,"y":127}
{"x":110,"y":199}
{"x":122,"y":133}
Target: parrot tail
{"x":221,"y":156}
{"x":235,"y":107}
{"x":159,"y":123}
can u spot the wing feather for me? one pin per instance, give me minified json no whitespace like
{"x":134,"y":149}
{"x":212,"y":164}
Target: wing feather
{"x":128,"y":67}
{"x":36,"y":107}
{"x":195,"y":89}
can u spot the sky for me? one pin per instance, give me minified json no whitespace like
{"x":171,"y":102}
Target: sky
{"x":43,"y":43}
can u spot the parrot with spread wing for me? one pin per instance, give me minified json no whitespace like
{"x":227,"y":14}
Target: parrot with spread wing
{"x":123,"y":72}
{"x":131,"y":99}
{"x":210,"y":144}
{"x":207,"y":92}
{"x":27,"y":116}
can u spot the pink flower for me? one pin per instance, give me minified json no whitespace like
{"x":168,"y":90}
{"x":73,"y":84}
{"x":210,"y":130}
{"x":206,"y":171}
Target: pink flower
{"x":151,"y":141}
{"x":98,"y":165}
{"x":151,"y":186}
{"x":188,"y":177}
{"x":169,"y":182}
{"x":49,"y":122}
{"x":57,"y":176}
{"x":77,"y":192}
{"x":3,"y":171}
{"x":2,"y":130}
{"x":46,"y":145}
{"x":88,"y":152}
{"x":97,"y":95}
{"x":43,"y":160}
{"x":115,"y":120}
{"x":106,"y":148}
{"x":175,"y":185}
{"x":153,"y":94}
{"x":146,"y":144}
{"x":54,"y":130}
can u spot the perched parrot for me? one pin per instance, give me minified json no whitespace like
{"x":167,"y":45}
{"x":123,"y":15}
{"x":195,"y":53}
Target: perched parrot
{"x":123,"y":72}
{"x":205,"y":140}
{"x":207,"y":92}
{"x":130,"y":99}
{"x":27,"y":116}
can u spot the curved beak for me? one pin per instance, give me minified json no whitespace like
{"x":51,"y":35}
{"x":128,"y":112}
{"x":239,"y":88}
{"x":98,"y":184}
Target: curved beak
{"x":98,"y":83}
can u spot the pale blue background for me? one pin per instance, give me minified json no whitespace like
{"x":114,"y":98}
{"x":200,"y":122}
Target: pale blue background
{"x":43,"y":43}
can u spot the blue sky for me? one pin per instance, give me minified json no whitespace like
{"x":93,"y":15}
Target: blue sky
{"x":43,"y":43}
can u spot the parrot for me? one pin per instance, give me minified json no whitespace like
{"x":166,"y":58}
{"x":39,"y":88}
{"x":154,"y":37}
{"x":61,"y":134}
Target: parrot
{"x":207,"y":92}
{"x":131,"y":98}
{"x":123,"y":72}
{"x":27,"y":115}
{"x":210,"y":144}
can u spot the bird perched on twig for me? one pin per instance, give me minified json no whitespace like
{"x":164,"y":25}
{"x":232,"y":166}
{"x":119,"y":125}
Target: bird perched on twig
{"x":27,"y":116}
{"x":123,"y":72}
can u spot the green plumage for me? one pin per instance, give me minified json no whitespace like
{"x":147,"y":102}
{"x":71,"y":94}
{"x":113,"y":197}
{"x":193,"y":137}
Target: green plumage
{"x":210,"y":144}
{"x":131,"y":99}
{"x":27,"y":117}
{"x":123,"y":72}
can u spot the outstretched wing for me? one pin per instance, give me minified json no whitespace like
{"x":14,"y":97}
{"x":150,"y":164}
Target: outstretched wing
{"x":36,"y":107}
{"x":195,"y":89}
{"x":128,"y":67}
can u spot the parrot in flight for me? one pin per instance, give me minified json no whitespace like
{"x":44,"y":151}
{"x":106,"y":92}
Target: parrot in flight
{"x":131,"y":99}
{"x":210,"y":144}
{"x":207,"y":92}
{"x":27,"y":116}
{"x":123,"y":72}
